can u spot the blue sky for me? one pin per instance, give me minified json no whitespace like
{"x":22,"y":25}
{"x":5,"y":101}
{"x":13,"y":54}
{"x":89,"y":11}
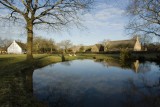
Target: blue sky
{"x":105,"y":21}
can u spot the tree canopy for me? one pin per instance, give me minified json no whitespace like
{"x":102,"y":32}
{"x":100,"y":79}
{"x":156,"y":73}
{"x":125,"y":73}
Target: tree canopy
{"x":52,"y":14}
{"x":144,"y":17}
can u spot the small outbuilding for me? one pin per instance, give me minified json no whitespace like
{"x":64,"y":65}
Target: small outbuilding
{"x":3,"y":50}
{"x":16,"y":48}
{"x":97,"y":48}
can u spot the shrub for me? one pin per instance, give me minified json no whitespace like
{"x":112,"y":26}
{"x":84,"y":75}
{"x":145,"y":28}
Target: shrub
{"x":124,"y":54}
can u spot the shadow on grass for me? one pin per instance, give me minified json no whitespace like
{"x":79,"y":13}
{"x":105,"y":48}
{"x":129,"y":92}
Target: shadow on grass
{"x":15,"y":83}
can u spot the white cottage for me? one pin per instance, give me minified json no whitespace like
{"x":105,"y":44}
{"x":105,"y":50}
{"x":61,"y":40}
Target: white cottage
{"x":16,"y":48}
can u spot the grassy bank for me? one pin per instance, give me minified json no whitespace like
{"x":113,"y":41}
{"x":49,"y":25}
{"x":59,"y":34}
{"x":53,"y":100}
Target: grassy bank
{"x":11,"y":65}
{"x":13,"y":91}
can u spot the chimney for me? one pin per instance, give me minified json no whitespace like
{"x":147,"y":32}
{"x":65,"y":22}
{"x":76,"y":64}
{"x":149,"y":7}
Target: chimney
{"x":137,"y":38}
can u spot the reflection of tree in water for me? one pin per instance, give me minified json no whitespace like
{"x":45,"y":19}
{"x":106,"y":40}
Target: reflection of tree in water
{"x":115,"y":63}
{"x":158,"y":63}
{"x":66,"y":63}
{"x":134,"y":65}
{"x":146,"y":94}
{"x":51,"y":65}
{"x":145,"y":67}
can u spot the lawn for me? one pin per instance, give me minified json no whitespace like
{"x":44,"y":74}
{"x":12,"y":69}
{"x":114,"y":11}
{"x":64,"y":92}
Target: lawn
{"x":11,"y":64}
{"x":12,"y":87}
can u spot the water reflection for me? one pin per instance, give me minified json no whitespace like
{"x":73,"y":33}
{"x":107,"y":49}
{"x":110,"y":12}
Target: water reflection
{"x":136,"y":66}
{"x":67,"y":63}
{"x":88,"y":83}
{"x":146,"y":94}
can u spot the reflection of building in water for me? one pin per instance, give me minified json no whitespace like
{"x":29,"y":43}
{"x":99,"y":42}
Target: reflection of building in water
{"x":136,"y":66}
{"x":112,"y":63}
{"x":142,"y":67}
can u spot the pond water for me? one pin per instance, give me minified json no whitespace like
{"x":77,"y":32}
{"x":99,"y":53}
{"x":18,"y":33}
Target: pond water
{"x":88,"y":83}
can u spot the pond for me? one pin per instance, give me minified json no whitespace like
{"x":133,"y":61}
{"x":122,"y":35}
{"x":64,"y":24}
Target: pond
{"x":90,"y":83}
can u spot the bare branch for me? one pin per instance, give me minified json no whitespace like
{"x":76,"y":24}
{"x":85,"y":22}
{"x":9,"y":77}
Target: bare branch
{"x":53,"y":14}
{"x":145,"y":17}
{"x":9,"y":5}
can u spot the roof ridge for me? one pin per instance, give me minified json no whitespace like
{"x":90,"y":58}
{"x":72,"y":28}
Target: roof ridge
{"x":22,"y":45}
{"x":123,"y":40}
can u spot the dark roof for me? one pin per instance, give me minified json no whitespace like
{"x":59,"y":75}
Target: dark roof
{"x":122,"y":43}
{"x":98,"y":45}
{"x":88,"y":47}
{"x":22,"y":45}
{"x":2,"y":49}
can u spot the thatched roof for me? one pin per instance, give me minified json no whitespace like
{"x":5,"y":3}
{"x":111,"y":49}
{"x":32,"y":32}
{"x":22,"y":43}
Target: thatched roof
{"x":87,"y":47}
{"x":122,"y":43}
{"x":98,"y":45}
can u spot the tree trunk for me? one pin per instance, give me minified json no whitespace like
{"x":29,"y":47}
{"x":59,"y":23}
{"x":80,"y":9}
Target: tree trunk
{"x":29,"y":40}
{"x":51,"y":50}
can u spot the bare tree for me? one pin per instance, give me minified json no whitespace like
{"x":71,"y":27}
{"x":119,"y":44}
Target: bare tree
{"x":5,"y":42}
{"x":43,"y":45}
{"x":145,"y":17}
{"x":65,"y":44}
{"x":106,"y":44}
{"x":48,"y":13}
{"x":1,"y":42}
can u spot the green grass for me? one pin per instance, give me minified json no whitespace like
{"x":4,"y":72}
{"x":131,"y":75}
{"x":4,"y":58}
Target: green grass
{"x":12,"y":78}
{"x":48,"y":60}
{"x":92,"y":56}
{"x":11,"y":64}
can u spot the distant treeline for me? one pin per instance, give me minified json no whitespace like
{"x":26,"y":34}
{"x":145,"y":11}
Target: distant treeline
{"x":43,"y":45}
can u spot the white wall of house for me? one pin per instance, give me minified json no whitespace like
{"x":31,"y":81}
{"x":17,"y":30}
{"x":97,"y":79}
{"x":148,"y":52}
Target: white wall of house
{"x":14,"y":48}
{"x":137,"y":46}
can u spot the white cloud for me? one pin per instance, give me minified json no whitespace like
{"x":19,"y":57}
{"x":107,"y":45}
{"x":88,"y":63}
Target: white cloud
{"x":108,"y":12}
{"x":104,"y":15}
